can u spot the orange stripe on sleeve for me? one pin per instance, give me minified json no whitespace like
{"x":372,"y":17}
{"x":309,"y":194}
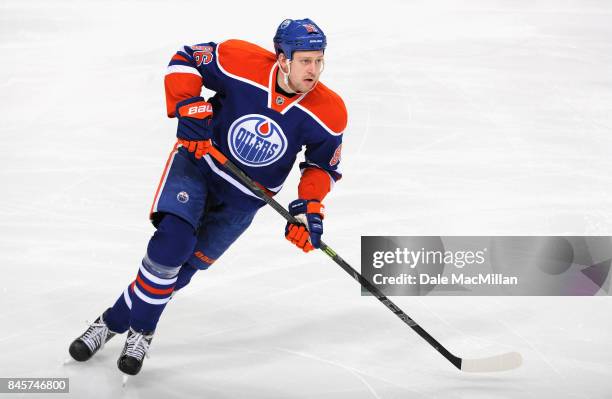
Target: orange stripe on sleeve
{"x":178,"y":57}
{"x":314,"y":184}
{"x":179,"y":87}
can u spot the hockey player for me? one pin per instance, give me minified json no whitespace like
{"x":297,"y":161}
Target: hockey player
{"x":267,"y":107}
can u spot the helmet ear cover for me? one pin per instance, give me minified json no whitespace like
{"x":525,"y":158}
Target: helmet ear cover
{"x":298,"y":35}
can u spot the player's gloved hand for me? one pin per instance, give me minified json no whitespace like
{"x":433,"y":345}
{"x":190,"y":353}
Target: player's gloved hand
{"x":194,"y":125}
{"x":307,"y":234}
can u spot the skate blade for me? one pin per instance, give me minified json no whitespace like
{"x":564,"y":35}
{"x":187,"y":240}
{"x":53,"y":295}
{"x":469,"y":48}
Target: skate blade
{"x":68,"y":360}
{"x":125,"y":380}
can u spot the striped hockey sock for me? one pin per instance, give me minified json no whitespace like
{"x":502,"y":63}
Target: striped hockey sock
{"x":117,"y":318}
{"x":152,"y":289}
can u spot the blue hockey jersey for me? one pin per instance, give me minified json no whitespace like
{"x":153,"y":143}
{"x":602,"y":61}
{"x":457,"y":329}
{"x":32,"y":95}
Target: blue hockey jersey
{"x":255,"y":126}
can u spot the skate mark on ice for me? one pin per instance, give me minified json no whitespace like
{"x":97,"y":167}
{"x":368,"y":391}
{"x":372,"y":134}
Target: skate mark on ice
{"x":356,"y":373}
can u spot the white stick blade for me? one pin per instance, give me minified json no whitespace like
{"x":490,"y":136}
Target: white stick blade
{"x":506,"y":361}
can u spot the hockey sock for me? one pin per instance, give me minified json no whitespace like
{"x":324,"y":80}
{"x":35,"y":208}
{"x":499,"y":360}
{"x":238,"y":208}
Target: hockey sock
{"x":184,"y":277}
{"x":117,"y":318}
{"x":168,"y":249}
{"x":153,"y":287}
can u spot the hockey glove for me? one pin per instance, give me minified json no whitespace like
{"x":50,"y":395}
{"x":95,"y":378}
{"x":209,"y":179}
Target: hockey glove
{"x":307,"y":234}
{"x":194,"y":125}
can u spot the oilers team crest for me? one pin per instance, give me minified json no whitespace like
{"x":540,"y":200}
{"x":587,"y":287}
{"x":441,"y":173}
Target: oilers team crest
{"x":256,"y":140}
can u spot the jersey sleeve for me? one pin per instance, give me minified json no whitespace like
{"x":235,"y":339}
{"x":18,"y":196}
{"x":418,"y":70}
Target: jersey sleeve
{"x":190,"y":68}
{"x":321,"y":168}
{"x":323,"y":139}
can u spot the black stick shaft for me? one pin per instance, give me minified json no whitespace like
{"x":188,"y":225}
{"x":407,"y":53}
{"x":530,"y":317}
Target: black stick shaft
{"x":246,"y":180}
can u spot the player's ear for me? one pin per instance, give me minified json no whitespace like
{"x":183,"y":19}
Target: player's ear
{"x":283,"y":62}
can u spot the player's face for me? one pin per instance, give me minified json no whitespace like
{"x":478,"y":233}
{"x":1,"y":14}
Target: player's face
{"x":306,"y":68}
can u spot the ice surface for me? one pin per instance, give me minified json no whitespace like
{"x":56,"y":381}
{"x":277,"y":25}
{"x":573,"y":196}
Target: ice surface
{"x":466,"y":118}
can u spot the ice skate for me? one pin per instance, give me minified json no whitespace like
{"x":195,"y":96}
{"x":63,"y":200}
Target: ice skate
{"x":91,"y":341}
{"x":134,"y":351}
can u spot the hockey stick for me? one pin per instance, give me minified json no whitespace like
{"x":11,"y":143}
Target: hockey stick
{"x":502,"y":362}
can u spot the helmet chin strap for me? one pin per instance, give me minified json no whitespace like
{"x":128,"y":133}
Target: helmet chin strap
{"x":286,"y":75}
{"x":286,"y":78}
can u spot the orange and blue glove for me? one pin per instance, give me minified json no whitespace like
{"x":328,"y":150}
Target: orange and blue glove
{"x":307,"y":233}
{"x":194,"y":130}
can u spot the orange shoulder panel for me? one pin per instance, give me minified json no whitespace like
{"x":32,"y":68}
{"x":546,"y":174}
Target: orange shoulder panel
{"x":327,"y":106}
{"x":246,"y":60}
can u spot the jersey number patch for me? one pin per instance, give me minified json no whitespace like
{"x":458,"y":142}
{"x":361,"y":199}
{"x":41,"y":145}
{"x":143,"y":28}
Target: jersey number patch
{"x":336,"y":158}
{"x":202,"y":57}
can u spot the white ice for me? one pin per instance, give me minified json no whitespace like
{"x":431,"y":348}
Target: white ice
{"x":466,"y":118}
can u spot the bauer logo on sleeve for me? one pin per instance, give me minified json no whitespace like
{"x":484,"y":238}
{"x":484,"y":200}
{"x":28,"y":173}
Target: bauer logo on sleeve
{"x":256,"y":140}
